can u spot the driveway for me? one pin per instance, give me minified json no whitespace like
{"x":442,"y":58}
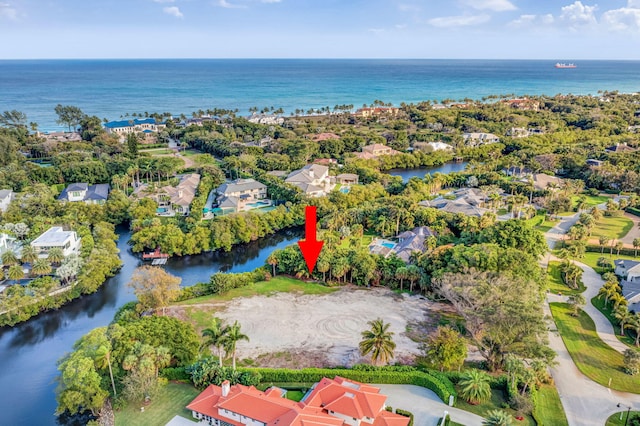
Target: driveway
{"x":425,"y":405}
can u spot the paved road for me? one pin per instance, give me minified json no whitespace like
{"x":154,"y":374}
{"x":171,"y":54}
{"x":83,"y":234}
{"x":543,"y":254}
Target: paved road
{"x":585,"y":402}
{"x":425,"y":405}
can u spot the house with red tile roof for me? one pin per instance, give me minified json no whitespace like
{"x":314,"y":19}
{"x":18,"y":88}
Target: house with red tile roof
{"x":374,"y":151}
{"x":336,"y":402}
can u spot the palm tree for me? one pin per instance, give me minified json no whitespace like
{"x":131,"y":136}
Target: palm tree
{"x":402,"y":273}
{"x":28,"y":254}
{"x":634,"y":324}
{"x":56,"y":255}
{"x":624,"y":316}
{"x":474,"y":387}
{"x":234,"y":335}
{"x":636,"y":244}
{"x":603,"y":240}
{"x":576,"y":301}
{"x":273,"y":261}
{"x":618,"y":300}
{"x":608,"y":291}
{"x":619,"y":246}
{"x":378,"y":341}
{"x":9,"y":258}
{"x":498,"y":418}
{"x":215,"y":336}
{"x":15,"y":273}
{"x":102,"y":359}
{"x":41,"y":267}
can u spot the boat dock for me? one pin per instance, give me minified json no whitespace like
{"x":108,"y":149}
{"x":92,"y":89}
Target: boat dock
{"x":157,"y":262}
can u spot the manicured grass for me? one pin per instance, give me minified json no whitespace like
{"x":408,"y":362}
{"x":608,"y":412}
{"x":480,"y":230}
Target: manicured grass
{"x":591,"y":200}
{"x":502,"y":211}
{"x":365,"y":240}
{"x":591,"y":258}
{"x":616,"y":420}
{"x":538,"y":222}
{"x":498,"y":398}
{"x":612,"y":227}
{"x":156,"y":151}
{"x":592,"y":356}
{"x":169,"y":402}
{"x":549,"y":410}
{"x":556,"y":284}
{"x":295,"y":395}
{"x":265,"y":288}
{"x":627,"y":339}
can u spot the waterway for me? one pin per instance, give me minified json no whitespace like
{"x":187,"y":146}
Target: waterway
{"x":445,"y":168}
{"x":29,"y":351}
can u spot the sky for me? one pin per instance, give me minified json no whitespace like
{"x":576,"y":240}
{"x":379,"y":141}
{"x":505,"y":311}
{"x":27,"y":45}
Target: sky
{"x":487,"y":29}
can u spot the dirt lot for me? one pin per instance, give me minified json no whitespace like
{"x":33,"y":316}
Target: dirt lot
{"x":292,"y":330}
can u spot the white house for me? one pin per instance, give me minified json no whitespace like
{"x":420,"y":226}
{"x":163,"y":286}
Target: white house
{"x":55,"y":236}
{"x":238,"y":195}
{"x":440,"y":146}
{"x":124,"y":127}
{"x":6,"y":195}
{"x":312,"y":179}
{"x":628,"y":269}
{"x":477,"y":139}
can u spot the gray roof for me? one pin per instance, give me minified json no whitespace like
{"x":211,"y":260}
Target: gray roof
{"x":54,"y":236}
{"x":626,"y":264}
{"x":93,"y":192}
{"x":4,"y":193}
{"x":228,"y":202}
{"x":308,"y":173}
{"x":412,"y":241}
{"x":631,"y":291}
{"x":240,"y":185}
{"x":83,"y":186}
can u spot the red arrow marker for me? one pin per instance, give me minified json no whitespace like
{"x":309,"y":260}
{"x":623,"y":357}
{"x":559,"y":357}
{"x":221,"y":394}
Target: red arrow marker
{"x":310,"y":247}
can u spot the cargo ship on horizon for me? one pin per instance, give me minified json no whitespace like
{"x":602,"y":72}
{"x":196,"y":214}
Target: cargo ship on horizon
{"x":562,"y":65}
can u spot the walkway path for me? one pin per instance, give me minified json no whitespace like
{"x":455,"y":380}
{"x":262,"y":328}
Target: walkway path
{"x":586,"y":403}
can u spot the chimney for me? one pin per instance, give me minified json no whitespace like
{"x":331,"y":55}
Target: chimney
{"x":226,"y":387}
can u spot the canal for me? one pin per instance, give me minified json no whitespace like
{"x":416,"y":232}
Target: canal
{"x":29,"y":351}
{"x":445,"y":168}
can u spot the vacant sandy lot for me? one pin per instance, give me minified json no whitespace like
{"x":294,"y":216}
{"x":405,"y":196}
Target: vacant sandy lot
{"x":307,"y":330}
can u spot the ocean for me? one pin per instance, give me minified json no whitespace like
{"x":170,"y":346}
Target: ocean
{"x":111,"y":88}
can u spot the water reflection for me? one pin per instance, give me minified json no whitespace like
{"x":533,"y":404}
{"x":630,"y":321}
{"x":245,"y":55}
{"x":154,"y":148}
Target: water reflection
{"x":29,"y":351}
{"x":407,"y":174}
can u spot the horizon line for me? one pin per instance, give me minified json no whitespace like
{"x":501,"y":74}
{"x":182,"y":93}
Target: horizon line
{"x":314,"y":58}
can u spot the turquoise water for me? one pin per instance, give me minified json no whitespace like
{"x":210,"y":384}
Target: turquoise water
{"x":110,"y":88}
{"x":344,"y":189}
{"x":388,"y":244}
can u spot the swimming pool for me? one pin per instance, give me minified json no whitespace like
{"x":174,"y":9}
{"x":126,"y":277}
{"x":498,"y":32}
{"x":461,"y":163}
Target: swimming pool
{"x":161,"y":210}
{"x":388,"y":244}
{"x":258,"y":204}
{"x":344,"y":189}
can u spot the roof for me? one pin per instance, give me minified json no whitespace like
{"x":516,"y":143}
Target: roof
{"x":347,"y":397}
{"x":93,"y":192}
{"x":542,"y":181}
{"x":626,"y":264}
{"x":54,"y":236}
{"x":308,"y":174}
{"x":324,"y":136}
{"x":631,"y":291}
{"x":185,"y":191}
{"x":347,"y":176}
{"x":307,"y":188}
{"x":412,"y":241}
{"x":129,"y":123}
{"x":83,"y":186}
{"x":239,"y":185}
{"x":4,"y":193}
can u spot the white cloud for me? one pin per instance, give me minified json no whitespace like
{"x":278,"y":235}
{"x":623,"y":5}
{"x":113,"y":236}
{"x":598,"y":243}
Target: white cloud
{"x":625,"y":18}
{"x":404,"y":7}
{"x":458,"y":21}
{"x":532,"y":20}
{"x":163,"y":1}
{"x":173,"y":11}
{"x":495,"y":5}
{"x":633,"y":3}
{"x":6,"y":11}
{"x":579,"y":14}
{"x":227,"y":5}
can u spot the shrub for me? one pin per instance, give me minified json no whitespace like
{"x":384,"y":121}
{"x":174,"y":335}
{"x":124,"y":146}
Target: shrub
{"x":631,"y":362}
{"x":521,"y":403}
{"x":175,"y":373}
{"x":406,"y":414}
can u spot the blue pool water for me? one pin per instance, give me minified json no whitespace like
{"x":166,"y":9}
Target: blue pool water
{"x":388,"y":244}
{"x":161,"y":210}
{"x":344,"y":189}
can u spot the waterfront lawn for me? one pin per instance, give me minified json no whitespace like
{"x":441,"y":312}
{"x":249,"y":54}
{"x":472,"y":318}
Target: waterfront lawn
{"x":620,"y":418}
{"x":556,"y":284}
{"x":627,"y":339}
{"x":497,"y":401}
{"x":169,"y":402}
{"x":594,"y":358}
{"x":612,"y":227}
{"x":549,"y":410}
{"x":279,"y":284}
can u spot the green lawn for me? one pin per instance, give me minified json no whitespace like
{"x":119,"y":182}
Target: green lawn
{"x":265,"y":288}
{"x":541,"y":224}
{"x":592,"y":356}
{"x":365,"y":240}
{"x":612,"y":227}
{"x":156,"y":151}
{"x":496,"y":402}
{"x":628,"y":339}
{"x":556,"y":284}
{"x":616,"y":420}
{"x":591,"y":201}
{"x":170,"y":401}
{"x":549,"y":409}
{"x":591,"y":258}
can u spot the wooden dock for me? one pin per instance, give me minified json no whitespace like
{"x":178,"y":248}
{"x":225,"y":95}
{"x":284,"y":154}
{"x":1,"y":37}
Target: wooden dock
{"x":157,"y":262}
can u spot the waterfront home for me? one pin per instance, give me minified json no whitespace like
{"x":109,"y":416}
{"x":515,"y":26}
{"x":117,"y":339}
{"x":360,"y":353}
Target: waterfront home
{"x":414,"y":241}
{"x":377,"y":111}
{"x":519,"y":172}
{"x":439,"y":146}
{"x":60,"y":136}
{"x":240,"y":195}
{"x":330,"y":402}
{"x":266,"y":119}
{"x":136,"y":125}
{"x":6,"y":195}
{"x":172,"y":200}
{"x":479,"y":138}
{"x":312,"y":179}
{"x":523,"y":104}
{"x":90,"y":194}
{"x":55,"y":236}
{"x":627,"y":269}
{"x":374,"y":151}
{"x":467,"y":201}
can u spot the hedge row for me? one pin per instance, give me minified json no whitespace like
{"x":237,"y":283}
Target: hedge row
{"x":633,"y":211}
{"x":440,"y":385}
{"x":220,"y":283}
{"x":406,"y":414}
{"x":607,"y":250}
